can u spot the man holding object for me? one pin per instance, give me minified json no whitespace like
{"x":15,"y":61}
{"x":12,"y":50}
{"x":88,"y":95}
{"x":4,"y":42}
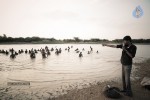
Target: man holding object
{"x":128,"y":53}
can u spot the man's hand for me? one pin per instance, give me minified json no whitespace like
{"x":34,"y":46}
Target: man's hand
{"x":124,"y":48}
{"x":127,"y":52}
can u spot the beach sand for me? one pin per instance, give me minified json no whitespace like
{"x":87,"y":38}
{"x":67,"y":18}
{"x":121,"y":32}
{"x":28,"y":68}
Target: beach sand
{"x":90,"y":92}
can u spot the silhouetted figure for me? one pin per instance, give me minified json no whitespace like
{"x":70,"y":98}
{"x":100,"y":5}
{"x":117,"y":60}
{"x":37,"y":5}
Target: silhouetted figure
{"x":68,"y":49}
{"x":88,"y":52}
{"x":83,"y":49}
{"x":41,"y":49}
{"x":19,"y":51}
{"x":12,"y":56}
{"x":48,"y":52}
{"x":26,"y":51}
{"x":97,"y":51}
{"x":59,"y":50}
{"x":46,"y":47}
{"x":91,"y":48}
{"x":7,"y":52}
{"x":3,"y":51}
{"x":16,"y":53}
{"x":43,"y":53}
{"x":52,"y":49}
{"x":29,"y":51}
{"x":22,"y":51}
{"x":32,"y":54}
{"x":12,"y":51}
{"x":80,"y":55}
{"x":77,"y":49}
{"x":35,"y":51}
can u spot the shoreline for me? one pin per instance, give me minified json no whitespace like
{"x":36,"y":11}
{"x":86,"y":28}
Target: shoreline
{"x":18,"y":43}
{"x":94,"y":92}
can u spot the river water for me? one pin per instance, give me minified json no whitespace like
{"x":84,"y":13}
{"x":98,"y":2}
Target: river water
{"x":64,"y":70}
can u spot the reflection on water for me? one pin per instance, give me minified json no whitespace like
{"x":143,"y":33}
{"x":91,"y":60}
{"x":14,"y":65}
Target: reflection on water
{"x":66,"y":68}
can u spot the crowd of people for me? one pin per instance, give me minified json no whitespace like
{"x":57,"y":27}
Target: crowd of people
{"x":45,"y":52}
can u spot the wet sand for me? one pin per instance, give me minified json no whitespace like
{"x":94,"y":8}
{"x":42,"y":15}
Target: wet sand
{"x":91,"y":91}
{"x":94,"y":92}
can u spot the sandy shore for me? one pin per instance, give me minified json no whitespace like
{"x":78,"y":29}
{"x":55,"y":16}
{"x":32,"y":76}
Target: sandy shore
{"x":90,"y":92}
{"x":94,"y":92}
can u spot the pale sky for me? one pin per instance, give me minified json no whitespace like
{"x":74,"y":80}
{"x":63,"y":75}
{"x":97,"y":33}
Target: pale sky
{"x":109,"y":19}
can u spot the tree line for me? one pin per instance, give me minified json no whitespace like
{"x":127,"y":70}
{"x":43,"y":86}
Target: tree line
{"x":5,"y":39}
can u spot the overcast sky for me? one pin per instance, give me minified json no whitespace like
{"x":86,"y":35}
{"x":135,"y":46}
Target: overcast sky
{"x":109,"y":19}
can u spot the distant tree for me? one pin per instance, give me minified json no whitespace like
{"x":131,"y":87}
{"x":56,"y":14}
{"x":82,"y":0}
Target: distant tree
{"x":117,"y":40}
{"x":34,"y":38}
{"x":4,"y":38}
{"x":4,"y":35}
{"x":95,"y":40}
{"x":86,"y":40}
{"x":10,"y":39}
{"x":77,"y":39}
{"x":69,"y":40}
{"x":51,"y":39}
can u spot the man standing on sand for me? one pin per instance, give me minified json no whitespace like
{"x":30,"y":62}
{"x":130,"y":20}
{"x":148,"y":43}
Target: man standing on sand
{"x":128,"y":53}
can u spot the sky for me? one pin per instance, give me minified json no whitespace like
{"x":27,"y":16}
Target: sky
{"x":64,"y":19}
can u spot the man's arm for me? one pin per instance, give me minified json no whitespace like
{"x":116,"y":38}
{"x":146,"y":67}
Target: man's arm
{"x":127,"y":52}
{"x":109,"y":45}
{"x":132,"y":54}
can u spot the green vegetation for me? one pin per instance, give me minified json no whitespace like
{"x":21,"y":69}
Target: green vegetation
{"x":20,"y":40}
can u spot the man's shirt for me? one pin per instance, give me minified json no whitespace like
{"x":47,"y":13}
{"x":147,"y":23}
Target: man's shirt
{"x":125,"y":58}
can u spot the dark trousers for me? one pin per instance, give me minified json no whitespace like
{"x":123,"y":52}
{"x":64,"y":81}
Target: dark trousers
{"x":126,"y":71}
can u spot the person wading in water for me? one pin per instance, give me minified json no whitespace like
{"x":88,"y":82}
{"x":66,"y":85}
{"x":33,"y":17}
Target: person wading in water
{"x":128,"y":53}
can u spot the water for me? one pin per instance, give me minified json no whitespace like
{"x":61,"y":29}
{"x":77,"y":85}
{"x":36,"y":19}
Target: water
{"x":66,"y":69}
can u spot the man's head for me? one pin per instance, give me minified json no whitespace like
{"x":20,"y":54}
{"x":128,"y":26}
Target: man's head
{"x":127,"y":40}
